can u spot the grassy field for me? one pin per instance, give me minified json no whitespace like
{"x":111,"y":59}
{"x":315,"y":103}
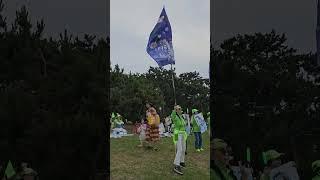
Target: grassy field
{"x":131,"y":162}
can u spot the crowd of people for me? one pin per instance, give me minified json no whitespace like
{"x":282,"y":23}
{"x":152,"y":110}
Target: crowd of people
{"x":178,"y":125}
{"x":223,"y":165}
{"x":21,"y":172}
{"x":275,"y":168}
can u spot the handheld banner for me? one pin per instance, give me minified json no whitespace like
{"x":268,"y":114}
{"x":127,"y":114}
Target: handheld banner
{"x":248,"y":154}
{"x":201,"y":122}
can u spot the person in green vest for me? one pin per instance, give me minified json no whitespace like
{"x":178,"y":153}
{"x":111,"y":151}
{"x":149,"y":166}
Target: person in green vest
{"x":118,"y":121}
{"x":112,"y":120}
{"x":273,"y":159}
{"x":196,"y":131}
{"x":219,"y":163}
{"x":316,"y":170}
{"x":179,"y":139}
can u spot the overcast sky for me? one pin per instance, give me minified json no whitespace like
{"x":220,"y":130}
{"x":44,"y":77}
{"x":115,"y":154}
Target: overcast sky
{"x":131,"y":22}
{"x":78,"y":16}
{"x":296,"y":18}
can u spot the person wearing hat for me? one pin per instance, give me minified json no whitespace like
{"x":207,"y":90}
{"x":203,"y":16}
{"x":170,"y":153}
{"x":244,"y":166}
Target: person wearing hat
{"x":196,"y":131}
{"x":273,"y":159}
{"x":316,"y":170}
{"x":179,"y":139}
{"x":219,"y":163}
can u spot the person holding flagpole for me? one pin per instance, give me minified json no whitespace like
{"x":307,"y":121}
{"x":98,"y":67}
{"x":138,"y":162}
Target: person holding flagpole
{"x":160,"y":48}
{"x":179,"y":139}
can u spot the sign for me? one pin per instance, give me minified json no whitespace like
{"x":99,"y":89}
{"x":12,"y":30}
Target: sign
{"x":201,"y":122}
{"x":9,"y":172}
{"x":287,"y":171}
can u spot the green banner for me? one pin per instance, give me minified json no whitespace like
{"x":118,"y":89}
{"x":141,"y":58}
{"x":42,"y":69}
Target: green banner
{"x":9,"y":172}
{"x":248,"y":154}
{"x":264,"y":158}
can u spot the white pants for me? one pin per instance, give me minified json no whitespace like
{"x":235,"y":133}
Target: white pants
{"x":180,"y":150}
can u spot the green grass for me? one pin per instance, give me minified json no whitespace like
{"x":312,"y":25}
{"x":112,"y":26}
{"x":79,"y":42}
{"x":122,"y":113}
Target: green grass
{"x":131,"y":162}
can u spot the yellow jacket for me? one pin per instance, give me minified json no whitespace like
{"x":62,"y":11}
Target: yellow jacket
{"x":153,"y":119}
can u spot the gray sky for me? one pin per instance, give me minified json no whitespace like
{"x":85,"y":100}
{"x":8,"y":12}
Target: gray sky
{"x":296,"y":18}
{"x":78,"y":16}
{"x":134,"y":20}
{"x":131,"y":22}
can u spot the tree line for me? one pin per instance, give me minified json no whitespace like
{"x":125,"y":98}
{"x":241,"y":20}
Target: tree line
{"x":130,"y":92}
{"x":53,"y":99}
{"x":56,"y":94}
{"x":266,"y":95}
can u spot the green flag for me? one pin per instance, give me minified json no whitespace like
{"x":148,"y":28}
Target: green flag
{"x":264,"y":158}
{"x":248,"y":154}
{"x":9,"y":170}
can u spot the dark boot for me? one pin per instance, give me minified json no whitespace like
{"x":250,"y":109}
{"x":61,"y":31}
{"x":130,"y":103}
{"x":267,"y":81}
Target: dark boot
{"x":177,"y":169}
{"x":182,"y":164}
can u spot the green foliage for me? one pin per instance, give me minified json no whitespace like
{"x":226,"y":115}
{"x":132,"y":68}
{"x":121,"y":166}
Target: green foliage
{"x":253,"y":74}
{"x":130,"y":92}
{"x":53,"y":99}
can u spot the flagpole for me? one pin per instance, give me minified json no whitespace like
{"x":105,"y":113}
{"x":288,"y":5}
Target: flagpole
{"x":174,"y":88}
{"x":161,"y":36}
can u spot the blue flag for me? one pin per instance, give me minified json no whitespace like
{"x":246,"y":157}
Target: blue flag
{"x":160,"y":41}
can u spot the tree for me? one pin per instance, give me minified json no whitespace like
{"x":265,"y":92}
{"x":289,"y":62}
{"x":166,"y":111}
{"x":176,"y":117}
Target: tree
{"x":130,"y":92}
{"x":53,"y":99}
{"x":259,"y":99}
{"x":192,"y":91}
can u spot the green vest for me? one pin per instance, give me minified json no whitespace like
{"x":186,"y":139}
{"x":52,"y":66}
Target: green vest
{"x":195,"y":125}
{"x":220,"y":172}
{"x":179,"y":126}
